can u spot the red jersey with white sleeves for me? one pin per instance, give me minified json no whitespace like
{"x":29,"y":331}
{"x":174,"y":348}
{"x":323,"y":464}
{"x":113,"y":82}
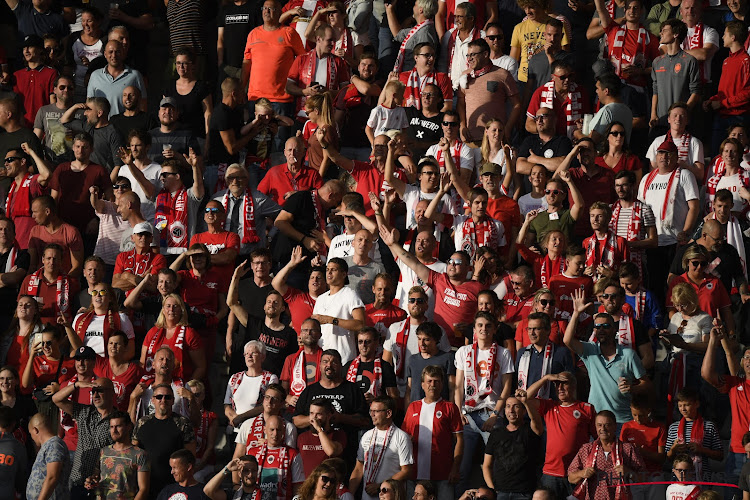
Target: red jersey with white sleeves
{"x":124,"y":383}
{"x":431,"y":427}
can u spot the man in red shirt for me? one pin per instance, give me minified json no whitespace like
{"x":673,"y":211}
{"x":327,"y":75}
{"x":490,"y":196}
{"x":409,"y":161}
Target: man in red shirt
{"x":52,"y":288}
{"x":35,"y":82}
{"x":283,"y":180}
{"x":569,"y":424}
{"x":563,"y":285}
{"x":222,"y":245}
{"x":604,"y":249}
{"x":51,"y":229}
{"x":133,"y":265}
{"x":423,"y":73}
{"x":733,"y":98}
{"x":520,"y":302}
{"x":280,"y":467}
{"x":322,"y":442}
{"x":456,"y":297}
{"x":436,"y":431}
{"x":303,"y":367}
{"x":299,"y":302}
{"x":381,"y":314}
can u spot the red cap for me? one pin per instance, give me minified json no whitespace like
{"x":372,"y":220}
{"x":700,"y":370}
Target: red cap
{"x":667,"y":145}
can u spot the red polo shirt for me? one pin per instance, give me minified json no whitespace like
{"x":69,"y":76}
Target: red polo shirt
{"x":35,"y":86}
{"x":216,"y":244}
{"x":712,"y":295}
{"x":279,"y":181}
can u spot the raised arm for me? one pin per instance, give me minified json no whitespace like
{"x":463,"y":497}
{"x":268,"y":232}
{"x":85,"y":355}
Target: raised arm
{"x":390,"y":167}
{"x":196,"y":163}
{"x":604,"y":18}
{"x":388,"y":237}
{"x":233,"y":294}
{"x":42,"y":167}
{"x":579,"y":305}
{"x":530,"y":216}
{"x":532,"y":409}
{"x":578,"y":203}
{"x":432,"y":209}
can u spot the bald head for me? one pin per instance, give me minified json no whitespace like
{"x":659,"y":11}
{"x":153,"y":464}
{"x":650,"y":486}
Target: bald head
{"x":40,"y":422}
{"x":712,"y":227}
{"x":131,"y":198}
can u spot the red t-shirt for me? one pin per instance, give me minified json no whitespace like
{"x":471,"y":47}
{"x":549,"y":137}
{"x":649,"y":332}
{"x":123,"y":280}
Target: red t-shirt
{"x":627,"y":162}
{"x":712,"y":295}
{"x":312,"y":367}
{"x":454,"y":304}
{"x":505,"y":209}
{"x":202,"y":293}
{"x":278,"y":181}
{"x":387,"y":316}
{"x":216,"y":244}
{"x":311,"y":451}
{"x":446,"y":421}
{"x":35,"y":87}
{"x":24,"y":223}
{"x":516,"y":308}
{"x":45,"y":371}
{"x":537,"y":261}
{"x":156,"y":337}
{"x":130,"y":262}
{"x":632,"y":51}
{"x":124,"y":383}
{"x":649,"y":436}
{"x":269,"y":471}
{"x":81,"y":395}
{"x":556,"y":334}
{"x":739,"y":400}
{"x":300,"y":305}
{"x":47,"y":298}
{"x":562,"y":287}
{"x":73,"y":202}
{"x":68,"y":237}
{"x":568,"y":428}
{"x":559,"y":107}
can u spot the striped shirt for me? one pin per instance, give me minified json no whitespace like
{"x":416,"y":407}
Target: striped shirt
{"x":711,"y":439}
{"x":185,"y":19}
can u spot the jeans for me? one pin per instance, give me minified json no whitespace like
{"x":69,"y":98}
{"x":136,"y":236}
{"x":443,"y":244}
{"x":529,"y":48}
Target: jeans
{"x":560,"y":486}
{"x":732,"y":468}
{"x":502,"y":495}
{"x":472,"y":435}
{"x":444,"y":489}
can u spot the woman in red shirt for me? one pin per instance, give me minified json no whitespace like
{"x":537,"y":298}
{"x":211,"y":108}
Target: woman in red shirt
{"x":616,"y":156}
{"x":171,"y":329}
{"x":19,"y":338}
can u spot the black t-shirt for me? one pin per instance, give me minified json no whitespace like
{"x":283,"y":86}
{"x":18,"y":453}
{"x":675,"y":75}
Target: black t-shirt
{"x":346,"y":398}
{"x":253,"y":297}
{"x":9,"y":294}
{"x":559,"y":145}
{"x":279,"y":344}
{"x":729,"y":263}
{"x":160,"y":438}
{"x":13,"y":472}
{"x":238,"y":21}
{"x":356,"y":108}
{"x":423,"y":131}
{"x":517,"y":457}
{"x":124,"y":124}
{"x":301,"y":206}
{"x":177,"y":492}
{"x":223,"y":119}
{"x":190,"y":106}
{"x":366,"y":375}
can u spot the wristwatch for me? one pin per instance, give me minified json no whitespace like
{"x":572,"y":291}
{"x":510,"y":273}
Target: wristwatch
{"x":335,"y":321}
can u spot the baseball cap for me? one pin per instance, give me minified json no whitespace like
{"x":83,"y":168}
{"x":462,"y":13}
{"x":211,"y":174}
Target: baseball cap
{"x":33,"y":41}
{"x":490,"y":168}
{"x":667,"y":145}
{"x":143,"y":227}
{"x":84,"y":352}
{"x":168,"y":101}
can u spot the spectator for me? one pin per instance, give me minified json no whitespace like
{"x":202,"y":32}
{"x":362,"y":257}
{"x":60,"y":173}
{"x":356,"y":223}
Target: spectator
{"x":281,"y":464}
{"x":84,"y":46}
{"x":52,"y":285}
{"x":701,"y":41}
{"x":608,"y":90}
{"x":633,"y":219}
{"x":24,"y":331}
{"x":132,"y":115}
{"x":454,"y":43}
{"x":161,"y":434}
{"x":374,"y":376}
{"x":205,"y":433}
{"x":496,"y":40}
{"x":282,"y":181}
{"x":604,"y":249}
{"x":15,"y":130}
{"x":424,"y":31}
{"x":303,"y":368}
{"x":177,"y":205}
{"x":24,"y":188}
{"x":546,"y":147}
{"x":93,"y":327}
{"x":431,"y":353}
{"x":140,"y":170}
{"x":565,"y":97}
{"x":117,"y":367}
{"x":393,"y":458}
{"x":193,"y":96}
{"x":247,"y":465}
{"x":132,"y":266}
{"x":141,"y":399}
{"x":47,"y":126}
{"x":616,"y":154}
{"x":519,"y":302}
{"x":51,"y":468}
{"x":15,"y":475}
{"x":541,"y":356}
{"x":563,"y":285}
{"x":35,"y":82}
{"x":182,"y":463}
{"x":110,"y":81}
{"x":689,"y":149}
{"x":650,"y":437}
{"x":422,"y":74}
{"x":322,"y":442}
{"x":352,"y":108}
{"x":245,"y":390}
{"x":682,"y":468}
{"x":732,"y":177}
{"x":223,"y":245}
{"x":169,"y":141}
{"x":542,"y":62}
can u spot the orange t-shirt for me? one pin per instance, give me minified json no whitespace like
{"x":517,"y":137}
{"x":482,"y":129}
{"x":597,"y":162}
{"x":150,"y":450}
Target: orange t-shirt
{"x":271,"y":54}
{"x":650,"y":436}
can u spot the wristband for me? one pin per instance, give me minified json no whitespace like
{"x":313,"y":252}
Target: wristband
{"x":226,"y":471}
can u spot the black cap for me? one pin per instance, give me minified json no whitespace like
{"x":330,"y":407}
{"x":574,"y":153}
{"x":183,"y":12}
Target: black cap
{"x":33,"y":41}
{"x":84,"y":352}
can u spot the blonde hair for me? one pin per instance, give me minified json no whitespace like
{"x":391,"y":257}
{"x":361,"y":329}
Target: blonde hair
{"x":161,"y":321}
{"x":485,"y":148}
{"x":322,"y":104}
{"x":394,"y":87}
{"x":684,"y":293}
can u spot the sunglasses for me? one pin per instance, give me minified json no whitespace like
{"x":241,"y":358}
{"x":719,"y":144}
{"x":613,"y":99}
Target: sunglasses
{"x":608,"y":296}
{"x":428,"y":95}
{"x":494,"y":37}
{"x":99,"y":390}
{"x":450,"y":124}
{"x":617,"y":133}
{"x":554,"y":191}
{"x":602,"y":325}
{"x":384,"y":490}
{"x":563,"y":77}
{"x":326,"y":479}
{"x":159,"y":397}
{"x":416,"y":300}
{"x":100,"y":293}
{"x":120,"y":187}
{"x":237,"y":178}
{"x":546,"y":302}
{"x":516,"y":283}
{"x":212,"y":210}
{"x":46,"y":343}
{"x":455,"y":262}
{"x":539,"y":118}
{"x":698,"y":263}
{"x":166,"y":174}
{"x":11,"y":159}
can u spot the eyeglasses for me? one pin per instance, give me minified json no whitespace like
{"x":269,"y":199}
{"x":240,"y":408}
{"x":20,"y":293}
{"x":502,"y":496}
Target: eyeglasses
{"x":120,"y":187}
{"x":698,"y":263}
{"x":99,"y":390}
{"x":539,"y":118}
{"x":46,"y":343}
{"x":11,"y":159}
{"x":326,"y":479}
{"x":455,"y":262}
{"x":237,"y":178}
{"x":564,"y":77}
{"x":100,"y":293}
{"x":159,"y":397}
{"x":429,"y":172}
{"x":166,"y":174}
{"x":602,"y":325}
{"x":182,"y":64}
{"x":517,"y":283}
{"x":62,"y":87}
{"x":472,"y":55}
{"x":554,"y":191}
{"x":617,"y":133}
{"x":384,"y":490}
{"x":427,"y":55}
{"x":212,"y":210}
{"x":546,"y":302}
{"x":607,"y":296}
{"x":494,"y":37}
{"x":416,"y":300}
{"x":450,"y":124}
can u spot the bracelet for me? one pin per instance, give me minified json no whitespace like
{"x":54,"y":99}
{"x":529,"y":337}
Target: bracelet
{"x":302,"y":241}
{"x":226,"y":471}
{"x":379,"y":213}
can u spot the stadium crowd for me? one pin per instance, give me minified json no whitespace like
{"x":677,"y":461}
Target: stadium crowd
{"x":392,"y":249}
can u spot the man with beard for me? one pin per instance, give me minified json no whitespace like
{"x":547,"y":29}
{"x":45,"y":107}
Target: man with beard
{"x":247,"y":467}
{"x":169,"y":141}
{"x":303,"y":367}
{"x":352,"y":108}
{"x":106,"y":140}
{"x":541,"y":357}
{"x":422,"y":74}
{"x":132,"y":266}
{"x":47,"y":126}
{"x":546,"y":148}
{"x":322,"y":442}
{"x":132,"y":115}
{"x":52,"y":285}
{"x":176,"y":215}
{"x":368,"y":370}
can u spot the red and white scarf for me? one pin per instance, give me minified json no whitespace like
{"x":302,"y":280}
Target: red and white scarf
{"x":625,"y":335}
{"x":634,"y":229}
{"x":249,"y":233}
{"x":399,"y":348}
{"x":402,"y":48}
{"x":476,"y":235}
{"x":377,"y":371}
{"x":172,"y":216}
{"x":111,"y":324}
{"x":572,"y":108}
{"x":308,"y":71}
{"x":683,"y":146}
{"x":455,"y":153}
{"x":236,"y":380}
{"x":640,"y":304}
{"x":10,"y":263}
{"x":320,"y":220}
{"x":611,"y":6}
{"x":135,"y":265}
{"x":374,"y":454}
{"x":283,"y":476}
{"x":256,"y":434}
{"x":593,"y":245}
{"x":463,"y":82}
{"x":617,"y":51}
{"x":713,"y":182}
{"x":21,"y":205}
{"x":523,"y":369}
{"x":621,"y":491}
{"x":159,"y":339}
{"x":472,"y":390}
{"x":345,"y":41}
{"x":63,"y":290}
{"x":299,"y":373}
{"x":695,"y":41}
{"x":452,"y":44}
{"x":414,"y":86}
{"x":548,"y":269}
{"x":667,"y":210}
{"x":696,"y":436}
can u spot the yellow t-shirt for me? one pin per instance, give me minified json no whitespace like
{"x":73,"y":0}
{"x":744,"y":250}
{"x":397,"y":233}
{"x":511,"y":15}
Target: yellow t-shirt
{"x":528,"y":36}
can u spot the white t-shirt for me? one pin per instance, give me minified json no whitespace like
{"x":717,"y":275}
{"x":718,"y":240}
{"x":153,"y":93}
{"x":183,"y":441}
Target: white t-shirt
{"x":680,"y":491}
{"x":341,"y":246}
{"x":383,"y":119}
{"x":409,"y":278}
{"x":246,"y":396}
{"x":466,"y":156}
{"x":503,"y":365}
{"x":527,"y":203}
{"x":413,"y":195}
{"x":151,"y":173}
{"x":507,"y":63}
{"x":412,"y":347}
{"x":458,"y":232}
{"x":95,"y":332}
{"x":290,"y":438}
{"x":711,"y":36}
{"x":686,"y":190}
{"x":689,"y":151}
{"x":339,"y":306}
{"x":693,"y":332}
{"x":733,"y":184}
{"x":398,"y":453}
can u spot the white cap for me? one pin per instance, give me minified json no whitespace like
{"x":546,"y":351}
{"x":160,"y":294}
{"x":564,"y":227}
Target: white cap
{"x":143,"y":227}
